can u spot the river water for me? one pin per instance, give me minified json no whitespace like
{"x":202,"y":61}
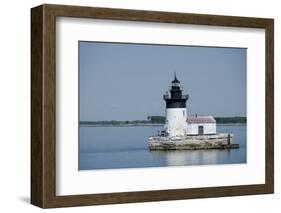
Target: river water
{"x":127,"y":147}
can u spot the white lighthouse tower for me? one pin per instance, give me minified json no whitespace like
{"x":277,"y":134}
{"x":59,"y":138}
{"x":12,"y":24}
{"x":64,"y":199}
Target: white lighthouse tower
{"x":176,"y":115}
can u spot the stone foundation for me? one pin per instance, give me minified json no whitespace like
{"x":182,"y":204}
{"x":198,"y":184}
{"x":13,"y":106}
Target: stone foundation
{"x":192,"y":142}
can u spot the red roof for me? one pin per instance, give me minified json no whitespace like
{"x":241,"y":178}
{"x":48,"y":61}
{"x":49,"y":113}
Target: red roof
{"x":200,"y":119}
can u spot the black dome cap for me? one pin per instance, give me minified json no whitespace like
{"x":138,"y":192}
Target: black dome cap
{"x":175,"y":79}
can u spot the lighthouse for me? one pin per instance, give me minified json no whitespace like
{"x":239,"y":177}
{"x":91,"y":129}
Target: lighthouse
{"x":176,"y":115}
{"x":182,"y":132}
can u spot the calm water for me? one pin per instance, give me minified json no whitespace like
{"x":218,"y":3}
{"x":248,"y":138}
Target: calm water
{"x":126,"y":147}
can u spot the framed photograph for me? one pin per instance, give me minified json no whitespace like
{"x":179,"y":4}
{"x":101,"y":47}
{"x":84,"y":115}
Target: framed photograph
{"x":136,"y":106}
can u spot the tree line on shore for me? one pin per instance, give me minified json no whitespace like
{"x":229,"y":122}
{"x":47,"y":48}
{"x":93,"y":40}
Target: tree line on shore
{"x":161,"y":120}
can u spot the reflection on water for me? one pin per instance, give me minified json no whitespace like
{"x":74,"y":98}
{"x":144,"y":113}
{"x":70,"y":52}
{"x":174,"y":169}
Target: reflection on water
{"x":193,"y":157}
{"x":126,"y":147}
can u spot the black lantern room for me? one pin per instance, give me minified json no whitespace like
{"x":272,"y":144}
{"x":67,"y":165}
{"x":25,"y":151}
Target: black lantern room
{"x":174,"y":97}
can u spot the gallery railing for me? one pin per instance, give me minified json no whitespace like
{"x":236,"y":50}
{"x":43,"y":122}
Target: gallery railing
{"x":168,"y":96}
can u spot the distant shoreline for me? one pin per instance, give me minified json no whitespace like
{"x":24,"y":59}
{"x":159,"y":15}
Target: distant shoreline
{"x":120,"y":125}
{"x":158,"y":121}
{"x":149,"y":125}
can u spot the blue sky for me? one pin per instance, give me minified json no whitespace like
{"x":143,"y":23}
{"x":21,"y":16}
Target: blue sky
{"x":121,"y":81}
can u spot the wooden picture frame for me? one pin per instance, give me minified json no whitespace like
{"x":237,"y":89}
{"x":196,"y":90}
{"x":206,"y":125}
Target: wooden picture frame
{"x":43,"y":105}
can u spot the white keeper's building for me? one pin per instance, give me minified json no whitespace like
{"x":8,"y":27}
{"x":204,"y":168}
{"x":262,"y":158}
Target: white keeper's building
{"x":201,"y":125}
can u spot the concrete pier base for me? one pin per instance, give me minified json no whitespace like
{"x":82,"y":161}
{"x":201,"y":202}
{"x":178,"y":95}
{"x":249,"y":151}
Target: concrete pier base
{"x":192,"y":142}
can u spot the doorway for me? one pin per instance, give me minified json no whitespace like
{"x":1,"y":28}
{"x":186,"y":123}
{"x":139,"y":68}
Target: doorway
{"x":200,"y":130}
